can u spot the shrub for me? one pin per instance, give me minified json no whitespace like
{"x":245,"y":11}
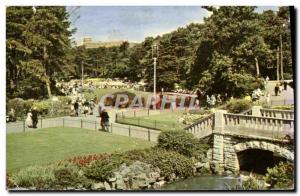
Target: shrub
{"x":238,"y":105}
{"x":181,"y":142}
{"x":64,"y":100}
{"x":20,"y":106}
{"x":281,"y":176}
{"x":167,"y":161}
{"x":69,"y":175}
{"x":102,"y":170}
{"x":42,"y":107}
{"x":38,"y":177}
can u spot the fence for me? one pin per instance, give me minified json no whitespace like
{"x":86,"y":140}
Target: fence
{"x":137,"y":118}
{"x":125,"y":130}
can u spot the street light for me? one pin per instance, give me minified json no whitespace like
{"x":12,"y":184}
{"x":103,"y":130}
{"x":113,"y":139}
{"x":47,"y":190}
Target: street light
{"x":155,"y":54}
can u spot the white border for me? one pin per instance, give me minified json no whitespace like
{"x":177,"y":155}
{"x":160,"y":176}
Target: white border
{"x":108,"y":2}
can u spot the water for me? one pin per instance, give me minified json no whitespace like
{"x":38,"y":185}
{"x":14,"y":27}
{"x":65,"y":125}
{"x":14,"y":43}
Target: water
{"x":212,"y":182}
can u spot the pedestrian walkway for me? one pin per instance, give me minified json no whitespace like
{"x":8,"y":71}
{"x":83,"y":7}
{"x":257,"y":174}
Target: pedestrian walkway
{"x":285,"y":98}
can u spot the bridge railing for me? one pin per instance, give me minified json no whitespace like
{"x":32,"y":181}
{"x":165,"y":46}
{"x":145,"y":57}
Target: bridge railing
{"x":202,"y":127}
{"x":276,"y":128}
{"x":286,"y":114}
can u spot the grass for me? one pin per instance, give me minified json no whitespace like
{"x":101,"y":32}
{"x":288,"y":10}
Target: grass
{"x":163,"y":121}
{"x":54,"y":144}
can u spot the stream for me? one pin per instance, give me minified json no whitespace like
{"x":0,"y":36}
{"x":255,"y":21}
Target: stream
{"x":211,"y":182}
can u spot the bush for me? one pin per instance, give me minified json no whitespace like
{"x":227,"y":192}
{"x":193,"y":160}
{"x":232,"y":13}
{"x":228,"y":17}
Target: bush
{"x":182,"y":142}
{"x":69,"y":175}
{"x":102,"y":170}
{"x":20,"y":106}
{"x":281,"y":176}
{"x":167,"y":161}
{"x":42,"y":107}
{"x":238,"y":105}
{"x":38,"y":177}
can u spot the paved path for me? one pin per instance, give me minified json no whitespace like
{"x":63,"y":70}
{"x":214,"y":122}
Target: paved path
{"x":285,"y":98}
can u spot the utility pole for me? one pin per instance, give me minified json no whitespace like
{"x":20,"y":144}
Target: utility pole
{"x":277,"y":57}
{"x":281,"y":58}
{"x":154,"y":56}
{"x":81,"y":74}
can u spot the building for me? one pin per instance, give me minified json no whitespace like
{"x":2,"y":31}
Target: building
{"x":88,"y":43}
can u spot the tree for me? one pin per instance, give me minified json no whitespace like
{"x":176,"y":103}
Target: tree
{"x":38,"y":48}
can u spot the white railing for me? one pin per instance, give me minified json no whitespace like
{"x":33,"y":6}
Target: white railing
{"x":258,"y":126}
{"x":286,"y":114}
{"x":202,"y":127}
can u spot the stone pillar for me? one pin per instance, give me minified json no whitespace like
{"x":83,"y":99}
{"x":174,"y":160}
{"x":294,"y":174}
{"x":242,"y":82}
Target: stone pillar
{"x":218,"y":154}
{"x":218,"y":143}
{"x":219,"y":121}
{"x":256,"y":110}
{"x":231,"y":164}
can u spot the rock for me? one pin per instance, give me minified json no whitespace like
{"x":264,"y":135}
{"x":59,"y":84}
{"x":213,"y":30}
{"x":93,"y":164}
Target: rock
{"x":161,"y":178}
{"x":158,"y":184}
{"x":154,"y":175}
{"x":107,"y":186}
{"x":113,"y":185}
{"x":228,"y":172}
{"x":198,"y":165}
{"x":98,"y":186}
{"x":112,"y":179}
{"x":120,"y":185}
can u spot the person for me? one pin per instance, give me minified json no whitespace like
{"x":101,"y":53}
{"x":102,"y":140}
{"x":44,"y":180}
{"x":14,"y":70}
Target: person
{"x":34,"y":117}
{"x":208,"y":101}
{"x":197,"y":103}
{"x":254,"y":96}
{"x":12,"y":115}
{"x":213,"y":100}
{"x":100,"y":108}
{"x":219,"y":100}
{"x":285,"y":85}
{"x":104,"y":119}
{"x":268,"y":98}
{"x":267,"y":79}
{"x":28,"y":121}
{"x":276,"y":89}
{"x":76,"y":107}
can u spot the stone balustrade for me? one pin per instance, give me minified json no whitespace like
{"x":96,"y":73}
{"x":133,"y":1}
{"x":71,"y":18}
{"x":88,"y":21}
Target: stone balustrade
{"x":258,"y":126}
{"x":286,"y":114}
{"x":203,"y":127}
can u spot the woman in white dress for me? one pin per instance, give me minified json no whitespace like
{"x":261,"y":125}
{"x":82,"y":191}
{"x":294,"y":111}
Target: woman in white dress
{"x":28,"y":120}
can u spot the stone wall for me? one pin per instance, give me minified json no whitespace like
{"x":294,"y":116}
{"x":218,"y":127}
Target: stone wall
{"x":225,"y":148}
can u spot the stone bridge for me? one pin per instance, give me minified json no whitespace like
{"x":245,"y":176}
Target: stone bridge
{"x":252,"y":141}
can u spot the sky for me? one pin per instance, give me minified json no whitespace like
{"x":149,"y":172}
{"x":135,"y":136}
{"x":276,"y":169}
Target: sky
{"x":133,"y":23}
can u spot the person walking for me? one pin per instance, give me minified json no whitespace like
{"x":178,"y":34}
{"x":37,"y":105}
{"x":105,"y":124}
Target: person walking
{"x":28,"y":121}
{"x":276,"y":89}
{"x":34,"y":117}
{"x":104,"y":120}
{"x":76,"y":107}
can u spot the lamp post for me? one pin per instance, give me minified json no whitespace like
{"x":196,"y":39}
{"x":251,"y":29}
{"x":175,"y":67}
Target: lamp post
{"x":154,"y":56}
{"x":81,"y":74}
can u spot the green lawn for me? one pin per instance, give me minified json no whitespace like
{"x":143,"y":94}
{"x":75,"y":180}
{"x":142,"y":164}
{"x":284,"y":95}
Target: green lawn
{"x":54,"y":144}
{"x":164,"y":121}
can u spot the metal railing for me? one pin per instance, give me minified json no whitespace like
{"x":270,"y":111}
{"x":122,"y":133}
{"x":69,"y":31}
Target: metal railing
{"x":119,"y":129}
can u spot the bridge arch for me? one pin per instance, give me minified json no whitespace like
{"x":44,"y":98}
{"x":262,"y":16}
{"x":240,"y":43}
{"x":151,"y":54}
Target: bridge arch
{"x":257,"y":156}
